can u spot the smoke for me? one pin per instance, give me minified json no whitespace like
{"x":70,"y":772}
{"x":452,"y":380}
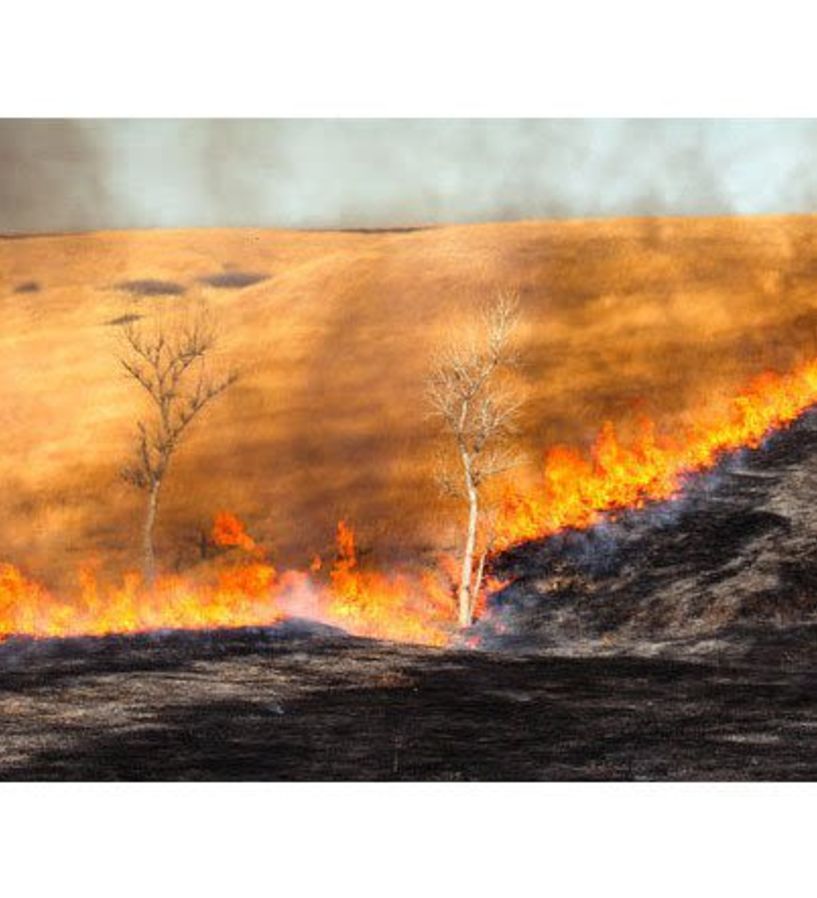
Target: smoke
{"x":68,"y":175}
{"x":52,"y":177}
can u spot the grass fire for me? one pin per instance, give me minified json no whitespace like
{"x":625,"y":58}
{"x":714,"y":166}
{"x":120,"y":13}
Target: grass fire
{"x":330,"y":483}
{"x":409,"y":606}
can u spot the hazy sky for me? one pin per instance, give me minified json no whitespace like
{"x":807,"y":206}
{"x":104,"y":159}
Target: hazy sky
{"x":69,"y":175}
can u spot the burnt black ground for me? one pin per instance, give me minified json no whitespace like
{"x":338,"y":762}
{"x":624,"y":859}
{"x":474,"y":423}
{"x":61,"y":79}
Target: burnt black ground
{"x":245,"y":706}
{"x":740,"y":547}
{"x":675,"y":644}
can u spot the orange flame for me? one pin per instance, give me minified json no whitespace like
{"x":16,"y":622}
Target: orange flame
{"x":250,"y":593}
{"x":575,"y":490}
{"x":395,"y":607}
{"x":229,"y":531}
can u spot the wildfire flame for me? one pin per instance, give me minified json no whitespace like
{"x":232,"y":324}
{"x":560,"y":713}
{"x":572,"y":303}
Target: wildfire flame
{"x":246,"y":593}
{"x":399,"y":607}
{"x":229,"y":531}
{"x":575,"y":490}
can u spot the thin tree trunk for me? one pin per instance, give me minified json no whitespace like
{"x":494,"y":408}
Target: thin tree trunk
{"x":148,"y":554}
{"x":466,"y":600}
{"x":477,"y":586}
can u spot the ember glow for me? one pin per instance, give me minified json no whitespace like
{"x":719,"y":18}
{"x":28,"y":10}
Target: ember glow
{"x":575,"y":491}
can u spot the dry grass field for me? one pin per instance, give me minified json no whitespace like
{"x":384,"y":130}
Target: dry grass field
{"x":333,"y":332}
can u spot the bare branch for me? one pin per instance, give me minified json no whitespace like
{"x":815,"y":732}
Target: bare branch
{"x":467,"y":388}
{"x":169,"y":364}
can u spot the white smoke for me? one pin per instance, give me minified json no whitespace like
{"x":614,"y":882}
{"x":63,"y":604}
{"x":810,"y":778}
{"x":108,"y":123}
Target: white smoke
{"x":81,"y":175}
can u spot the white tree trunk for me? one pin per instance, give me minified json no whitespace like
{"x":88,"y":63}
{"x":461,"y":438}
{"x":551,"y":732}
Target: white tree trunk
{"x":148,"y":554}
{"x":466,"y":596}
{"x":477,"y":584}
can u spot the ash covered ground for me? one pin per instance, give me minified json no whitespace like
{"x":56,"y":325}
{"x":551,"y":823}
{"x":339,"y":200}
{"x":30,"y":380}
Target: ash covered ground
{"x":678,"y":643}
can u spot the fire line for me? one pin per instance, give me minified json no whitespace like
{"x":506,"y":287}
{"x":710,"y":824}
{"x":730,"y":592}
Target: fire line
{"x":573,"y":490}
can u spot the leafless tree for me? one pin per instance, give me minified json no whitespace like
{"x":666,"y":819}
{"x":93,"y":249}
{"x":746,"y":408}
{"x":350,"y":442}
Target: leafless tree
{"x":469,"y":390}
{"x":170,"y":362}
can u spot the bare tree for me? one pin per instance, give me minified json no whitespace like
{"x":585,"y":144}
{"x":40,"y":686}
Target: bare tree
{"x":170,"y":364}
{"x":468,"y":389}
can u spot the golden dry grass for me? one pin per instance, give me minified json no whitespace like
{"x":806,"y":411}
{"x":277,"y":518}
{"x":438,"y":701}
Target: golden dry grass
{"x":621,"y":317}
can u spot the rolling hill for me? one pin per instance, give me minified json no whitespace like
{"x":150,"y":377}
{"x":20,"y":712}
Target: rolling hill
{"x":333,"y":332}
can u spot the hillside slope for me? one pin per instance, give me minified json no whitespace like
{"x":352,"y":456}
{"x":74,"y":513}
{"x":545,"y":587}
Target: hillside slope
{"x":622,"y":317}
{"x":733,"y":561}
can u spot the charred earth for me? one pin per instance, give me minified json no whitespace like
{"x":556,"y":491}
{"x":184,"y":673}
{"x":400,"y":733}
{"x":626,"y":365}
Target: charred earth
{"x":678,"y":642}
